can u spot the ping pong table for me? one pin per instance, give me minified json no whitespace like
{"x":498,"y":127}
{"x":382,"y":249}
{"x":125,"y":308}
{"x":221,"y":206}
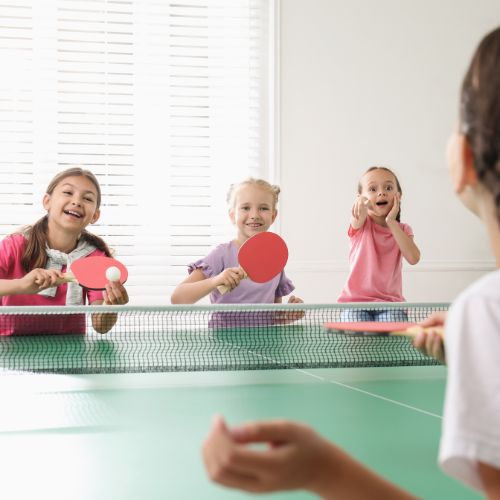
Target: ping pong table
{"x":106,"y":434}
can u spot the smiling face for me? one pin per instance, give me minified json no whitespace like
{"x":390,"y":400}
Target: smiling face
{"x":253,"y":211}
{"x":72,"y":205}
{"x":380,"y":187}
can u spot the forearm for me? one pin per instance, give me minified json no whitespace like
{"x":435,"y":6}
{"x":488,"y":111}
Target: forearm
{"x":358,"y":223}
{"x":343,"y":477}
{"x":406,"y":244}
{"x":9,"y":287}
{"x":190,"y":293}
{"x":103,"y":322}
{"x":490,"y":477}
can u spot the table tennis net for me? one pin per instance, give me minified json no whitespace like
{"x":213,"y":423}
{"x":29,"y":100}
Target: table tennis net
{"x":201,"y":338}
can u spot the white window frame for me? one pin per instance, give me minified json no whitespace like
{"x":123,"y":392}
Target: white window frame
{"x":271,"y":171}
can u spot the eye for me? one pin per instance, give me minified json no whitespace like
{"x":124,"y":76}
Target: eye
{"x":245,"y":208}
{"x":68,"y":192}
{"x":265,"y":208}
{"x":389,"y":188}
{"x":371,"y":189}
{"x":91,"y":200}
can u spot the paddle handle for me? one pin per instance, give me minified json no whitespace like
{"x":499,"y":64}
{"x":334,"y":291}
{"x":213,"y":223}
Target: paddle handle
{"x":223,"y":289}
{"x":413,"y":331}
{"x":68,"y":277}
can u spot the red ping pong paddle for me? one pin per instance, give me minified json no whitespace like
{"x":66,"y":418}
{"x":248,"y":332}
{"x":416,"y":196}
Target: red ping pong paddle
{"x":401,"y":328}
{"x":261,"y":257}
{"x":92,"y":272}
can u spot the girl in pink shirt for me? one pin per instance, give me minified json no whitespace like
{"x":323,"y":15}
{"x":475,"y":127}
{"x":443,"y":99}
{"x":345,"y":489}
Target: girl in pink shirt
{"x":378,"y":242}
{"x":33,"y":261}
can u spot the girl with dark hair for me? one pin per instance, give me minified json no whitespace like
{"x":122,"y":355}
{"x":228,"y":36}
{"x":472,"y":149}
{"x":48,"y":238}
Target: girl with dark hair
{"x":33,"y":260}
{"x":378,"y":243}
{"x":470,"y":444}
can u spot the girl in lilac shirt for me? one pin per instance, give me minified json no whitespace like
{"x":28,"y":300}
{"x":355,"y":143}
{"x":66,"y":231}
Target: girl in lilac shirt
{"x":378,"y":242}
{"x":252,"y":210}
{"x":32,"y":261}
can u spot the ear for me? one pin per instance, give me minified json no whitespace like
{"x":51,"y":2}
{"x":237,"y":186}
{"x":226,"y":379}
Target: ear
{"x":96,"y":216}
{"x":231,"y":215}
{"x":46,"y":201}
{"x":275,"y":214}
{"x":464,"y":170}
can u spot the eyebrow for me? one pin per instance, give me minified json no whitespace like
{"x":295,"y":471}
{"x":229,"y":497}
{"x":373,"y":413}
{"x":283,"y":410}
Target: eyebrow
{"x":372,"y":183}
{"x":74,"y":187}
{"x":259,"y":204}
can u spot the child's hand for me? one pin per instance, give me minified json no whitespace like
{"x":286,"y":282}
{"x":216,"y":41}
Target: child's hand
{"x":284,"y":317}
{"x":38,"y":280}
{"x":115,"y":294}
{"x":295,"y":456}
{"x":361,"y":207}
{"x":391,"y":216}
{"x":229,"y":278}
{"x":431,"y":343}
{"x":295,"y":315}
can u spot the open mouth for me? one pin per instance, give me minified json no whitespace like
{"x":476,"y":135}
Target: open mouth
{"x":381,"y":203}
{"x":73,"y":214}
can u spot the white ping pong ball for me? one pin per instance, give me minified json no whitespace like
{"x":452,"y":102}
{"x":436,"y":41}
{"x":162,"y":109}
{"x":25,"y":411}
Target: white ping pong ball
{"x":113,"y":273}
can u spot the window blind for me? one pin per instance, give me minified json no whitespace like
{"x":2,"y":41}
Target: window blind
{"x":166,"y":102}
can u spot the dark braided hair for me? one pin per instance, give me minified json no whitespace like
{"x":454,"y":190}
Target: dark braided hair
{"x":480,"y":112}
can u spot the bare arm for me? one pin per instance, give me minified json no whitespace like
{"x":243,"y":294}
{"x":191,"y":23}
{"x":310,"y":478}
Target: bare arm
{"x":193,"y":288}
{"x":9,"y":287}
{"x":115,"y":294}
{"x":103,"y":322}
{"x":406,"y":244}
{"x":429,"y":342}
{"x":296,"y":458}
{"x":351,"y":480}
{"x":196,"y":286}
{"x":284,"y":317}
{"x":490,"y":477}
{"x":359,"y":212}
{"x":31,"y":283}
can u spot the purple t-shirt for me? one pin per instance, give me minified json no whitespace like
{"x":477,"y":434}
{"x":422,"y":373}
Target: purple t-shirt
{"x":247,"y":292}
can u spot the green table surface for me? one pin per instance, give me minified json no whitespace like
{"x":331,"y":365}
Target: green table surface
{"x":138,"y":436}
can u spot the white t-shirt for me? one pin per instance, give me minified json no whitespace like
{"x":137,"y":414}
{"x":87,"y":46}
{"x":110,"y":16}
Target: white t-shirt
{"x":471,"y":424}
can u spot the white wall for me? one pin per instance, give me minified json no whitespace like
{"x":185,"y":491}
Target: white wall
{"x":367,"y":83}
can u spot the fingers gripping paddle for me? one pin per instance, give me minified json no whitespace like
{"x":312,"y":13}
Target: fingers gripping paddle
{"x":382,"y":328}
{"x":95,"y":272}
{"x":261,"y":257}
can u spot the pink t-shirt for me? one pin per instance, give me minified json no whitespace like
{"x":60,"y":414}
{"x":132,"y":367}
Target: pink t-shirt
{"x":375,"y":263}
{"x":11,"y":250}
